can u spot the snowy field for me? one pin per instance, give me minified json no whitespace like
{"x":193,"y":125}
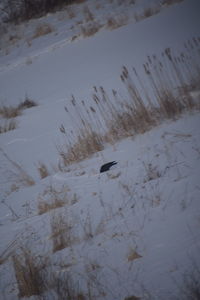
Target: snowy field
{"x":68,"y":231}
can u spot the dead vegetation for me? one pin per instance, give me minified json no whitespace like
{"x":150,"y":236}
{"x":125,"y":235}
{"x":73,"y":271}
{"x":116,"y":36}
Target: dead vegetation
{"x":90,"y":29}
{"x":88,"y":14}
{"x":17,"y":173}
{"x":113,"y":23}
{"x":9,"y":113}
{"x":162,"y":93}
{"x":29,"y":270}
{"x":43,"y":170}
{"x":61,"y":231}
{"x":43,"y":29}
{"x":54,"y":197}
{"x":88,"y":143}
{"x":8,"y":125}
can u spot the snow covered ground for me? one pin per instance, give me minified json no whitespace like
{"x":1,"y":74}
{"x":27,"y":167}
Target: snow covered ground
{"x":131,"y":231}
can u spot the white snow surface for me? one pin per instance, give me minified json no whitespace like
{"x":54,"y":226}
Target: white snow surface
{"x":148,"y":203}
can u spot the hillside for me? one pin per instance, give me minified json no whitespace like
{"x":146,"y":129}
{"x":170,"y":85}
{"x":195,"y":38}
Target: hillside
{"x":96,"y":82}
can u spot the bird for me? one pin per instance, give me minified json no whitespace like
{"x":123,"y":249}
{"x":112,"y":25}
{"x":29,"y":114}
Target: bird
{"x":107,"y":166}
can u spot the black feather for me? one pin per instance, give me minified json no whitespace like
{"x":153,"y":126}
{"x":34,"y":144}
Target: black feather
{"x":107,"y":166}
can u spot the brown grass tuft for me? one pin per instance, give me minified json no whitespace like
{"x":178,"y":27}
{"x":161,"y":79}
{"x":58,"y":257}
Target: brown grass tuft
{"x":27,"y":103}
{"x":10,"y":112}
{"x":43,"y":170}
{"x":8,"y":125}
{"x":28,"y":272}
{"x":17,"y":172}
{"x":113,"y":23}
{"x":52,"y":198}
{"x":62,"y":231}
{"x":42,"y":29}
{"x":87,"y":144}
{"x":90,"y":29}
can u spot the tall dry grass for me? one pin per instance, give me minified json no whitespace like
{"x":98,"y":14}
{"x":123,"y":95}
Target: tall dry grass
{"x":161,"y":92}
{"x":17,"y":173}
{"x":61,"y":231}
{"x":29,"y":270}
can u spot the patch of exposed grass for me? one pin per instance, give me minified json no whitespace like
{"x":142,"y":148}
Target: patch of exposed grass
{"x":27,"y":103}
{"x":28,"y":270}
{"x":52,"y":198}
{"x":8,"y":125}
{"x":113,"y":23}
{"x":17,"y":173}
{"x":88,"y":143}
{"x":9,"y":112}
{"x":61,"y":231}
{"x":90,"y":29}
{"x":43,"y":29}
{"x":43,"y":170}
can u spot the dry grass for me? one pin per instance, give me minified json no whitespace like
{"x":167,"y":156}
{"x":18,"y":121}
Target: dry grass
{"x":8,"y":125}
{"x":29,"y":275}
{"x":43,"y":29}
{"x":17,"y":173}
{"x":113,"y":23}
{"x":132,"y":255}
{"x":88,"y":14}
{"x":52,"y":198}
{"x":43,"y":170}
{"x":27,"y":103}
{"x":62,"y":231}
{"x":66,"y":288}
{"x":113,"y":176}
{"x":88,"y":143}
{"x":9,"y":112}
{"x":161,"y":93}
{"x":90,"y":29}
{"x":152,"y":172}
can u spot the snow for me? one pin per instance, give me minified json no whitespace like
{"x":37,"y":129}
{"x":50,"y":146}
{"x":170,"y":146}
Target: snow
{"x":147,"y":204}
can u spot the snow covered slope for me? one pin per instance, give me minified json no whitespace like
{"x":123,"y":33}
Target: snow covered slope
{"x":131,"y":231}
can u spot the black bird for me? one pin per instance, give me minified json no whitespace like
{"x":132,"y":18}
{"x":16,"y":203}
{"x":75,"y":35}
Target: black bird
{"x":107,"y":166}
